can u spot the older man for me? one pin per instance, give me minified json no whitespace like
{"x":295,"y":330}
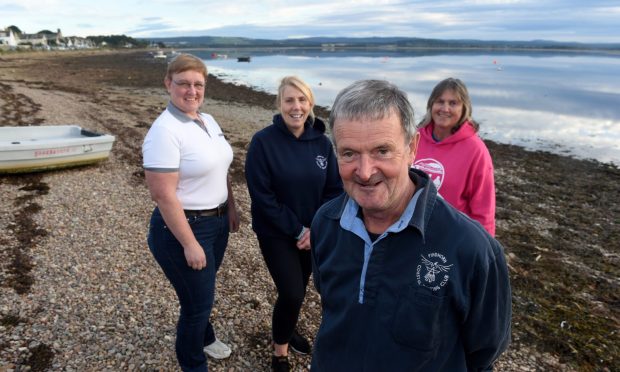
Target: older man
{"x":407,"y":282}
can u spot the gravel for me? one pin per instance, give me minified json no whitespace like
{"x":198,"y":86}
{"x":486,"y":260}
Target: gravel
{"x":80,"y":290}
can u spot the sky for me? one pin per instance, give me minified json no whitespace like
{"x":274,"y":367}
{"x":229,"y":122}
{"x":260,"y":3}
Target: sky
{"x":595,"y":21}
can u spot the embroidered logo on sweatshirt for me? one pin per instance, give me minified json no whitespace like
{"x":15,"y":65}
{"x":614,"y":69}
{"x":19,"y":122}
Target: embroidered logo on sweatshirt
{"x":321,"y":161}
{"x":433,"y":168}
{"x":435,"y":272}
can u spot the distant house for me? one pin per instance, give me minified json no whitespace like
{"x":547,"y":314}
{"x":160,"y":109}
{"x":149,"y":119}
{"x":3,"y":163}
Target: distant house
{"x":55,"y":40}
{"x":42,"y":40}
{"x":56,"y":37}
{"x":33,"y":41}
{"x":76,"y":42}
{"x":7,"y":40}
{"x":82,"y":42}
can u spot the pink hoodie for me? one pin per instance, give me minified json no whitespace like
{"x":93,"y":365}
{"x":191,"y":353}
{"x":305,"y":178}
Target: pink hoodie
{"x":462,"y":170}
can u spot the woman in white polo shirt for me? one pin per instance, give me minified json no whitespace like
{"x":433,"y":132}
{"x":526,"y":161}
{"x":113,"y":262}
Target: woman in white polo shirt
{"x":186,"y":160}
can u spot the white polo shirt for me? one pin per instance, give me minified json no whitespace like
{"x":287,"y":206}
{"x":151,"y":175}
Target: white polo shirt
{"x":176,"y":143}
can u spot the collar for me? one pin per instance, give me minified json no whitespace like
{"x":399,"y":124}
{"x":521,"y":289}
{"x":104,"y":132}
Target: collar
{"x":465,"y":131}
{"x":416,"y":214}
{"x":184,"y":118}
{"x":312,"y":128}
{"x":178,"y":114}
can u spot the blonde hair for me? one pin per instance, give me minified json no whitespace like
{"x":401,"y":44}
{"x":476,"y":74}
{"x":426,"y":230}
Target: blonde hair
{"x":186,"y":62}
{"x":299,"y":84}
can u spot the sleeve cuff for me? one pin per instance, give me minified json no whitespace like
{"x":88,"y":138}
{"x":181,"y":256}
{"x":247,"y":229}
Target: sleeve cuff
{"x":303,"y":231}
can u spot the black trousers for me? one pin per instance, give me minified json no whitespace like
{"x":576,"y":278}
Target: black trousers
{"x":290,"y":270}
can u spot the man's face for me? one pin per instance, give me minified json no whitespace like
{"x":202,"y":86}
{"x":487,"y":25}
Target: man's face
{"x":373,"y":161}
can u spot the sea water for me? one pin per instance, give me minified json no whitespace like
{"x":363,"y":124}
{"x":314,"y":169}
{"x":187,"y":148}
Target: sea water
{"x":562,"y":102}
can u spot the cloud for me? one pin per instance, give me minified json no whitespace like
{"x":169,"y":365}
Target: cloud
{"x":562,"y":20}
{"x":11,"y":8}
{"x":153,"y":25}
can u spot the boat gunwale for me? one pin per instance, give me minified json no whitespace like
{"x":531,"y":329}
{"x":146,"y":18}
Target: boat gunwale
{"x":68,"y":135}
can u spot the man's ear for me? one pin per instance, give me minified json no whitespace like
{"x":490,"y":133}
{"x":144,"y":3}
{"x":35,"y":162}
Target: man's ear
{"x":413,"y":145}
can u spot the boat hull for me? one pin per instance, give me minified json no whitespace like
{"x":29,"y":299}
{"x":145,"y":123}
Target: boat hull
{"x":35,"y":149}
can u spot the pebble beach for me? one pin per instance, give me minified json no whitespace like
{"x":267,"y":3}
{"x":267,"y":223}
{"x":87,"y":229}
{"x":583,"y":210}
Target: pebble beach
{"x":80,"y":291}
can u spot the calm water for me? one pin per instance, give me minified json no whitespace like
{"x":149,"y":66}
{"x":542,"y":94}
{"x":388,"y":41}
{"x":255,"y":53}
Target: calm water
{"x":566,"y":103}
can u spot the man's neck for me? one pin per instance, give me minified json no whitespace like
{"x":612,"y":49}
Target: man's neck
{"x":378,"y":222}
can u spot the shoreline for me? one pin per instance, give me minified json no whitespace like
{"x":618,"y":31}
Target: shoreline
{"x":503,"y":50}
{"x":575,"y":148}
{"x":222,"y":90}
{"x":80,"y":290}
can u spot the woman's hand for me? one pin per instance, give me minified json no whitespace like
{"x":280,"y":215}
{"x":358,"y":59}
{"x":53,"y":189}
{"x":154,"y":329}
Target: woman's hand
{"x":304,"y":242}
{"x":233,"y":213}
{"x":162,"y":187}
{"x":195,"y":256}
{"x":233,"y":217}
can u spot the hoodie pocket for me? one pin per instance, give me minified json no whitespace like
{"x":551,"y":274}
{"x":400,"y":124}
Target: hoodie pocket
{"x":416,"y":322}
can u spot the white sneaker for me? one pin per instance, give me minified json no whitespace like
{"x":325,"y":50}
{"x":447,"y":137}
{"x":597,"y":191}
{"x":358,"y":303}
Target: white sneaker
{"x":218,"y":350}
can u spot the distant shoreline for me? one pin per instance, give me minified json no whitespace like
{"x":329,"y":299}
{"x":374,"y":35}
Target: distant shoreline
{"x":232,"y":74}
{"x":234,"y":93}
{"x":392,"y":48}
{"x":613,"y":52}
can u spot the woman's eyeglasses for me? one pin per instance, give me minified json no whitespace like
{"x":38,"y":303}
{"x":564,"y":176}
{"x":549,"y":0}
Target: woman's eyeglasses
{"x":187,"y":85}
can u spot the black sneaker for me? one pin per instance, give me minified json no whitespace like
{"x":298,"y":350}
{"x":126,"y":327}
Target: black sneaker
{"x":279,"y":364}
{"x":299,"y":344}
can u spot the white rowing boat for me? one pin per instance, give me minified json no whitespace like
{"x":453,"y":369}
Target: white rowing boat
{"x":38,"y":148}
{"x":159,"y":55}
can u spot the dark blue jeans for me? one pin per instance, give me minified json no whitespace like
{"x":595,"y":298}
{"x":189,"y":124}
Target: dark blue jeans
{"x":194,"y":288}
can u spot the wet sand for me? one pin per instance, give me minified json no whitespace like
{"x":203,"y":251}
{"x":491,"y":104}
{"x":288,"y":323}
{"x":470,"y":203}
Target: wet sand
{"x":80,"y":289}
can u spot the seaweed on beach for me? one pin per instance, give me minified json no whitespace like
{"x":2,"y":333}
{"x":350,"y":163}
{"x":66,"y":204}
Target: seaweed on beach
{"x":25,"y":231}
{"x":17,"y":109}
{"x":561,"y":234}
{"x":41,"y":357}
{"x":558,"y":218}
{"x":10,"y":320}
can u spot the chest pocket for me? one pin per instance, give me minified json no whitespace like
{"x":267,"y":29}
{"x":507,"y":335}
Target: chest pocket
{"x":418,"y":319}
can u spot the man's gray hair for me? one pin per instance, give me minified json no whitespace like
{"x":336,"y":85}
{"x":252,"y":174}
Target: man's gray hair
{"x":373,"y":100}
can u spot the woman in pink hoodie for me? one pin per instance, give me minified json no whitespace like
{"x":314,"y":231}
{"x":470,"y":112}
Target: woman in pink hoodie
{"x":451,"y":152}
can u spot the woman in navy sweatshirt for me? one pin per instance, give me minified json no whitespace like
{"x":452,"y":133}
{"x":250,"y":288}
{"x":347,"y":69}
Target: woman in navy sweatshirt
{"x":291,"y":171}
